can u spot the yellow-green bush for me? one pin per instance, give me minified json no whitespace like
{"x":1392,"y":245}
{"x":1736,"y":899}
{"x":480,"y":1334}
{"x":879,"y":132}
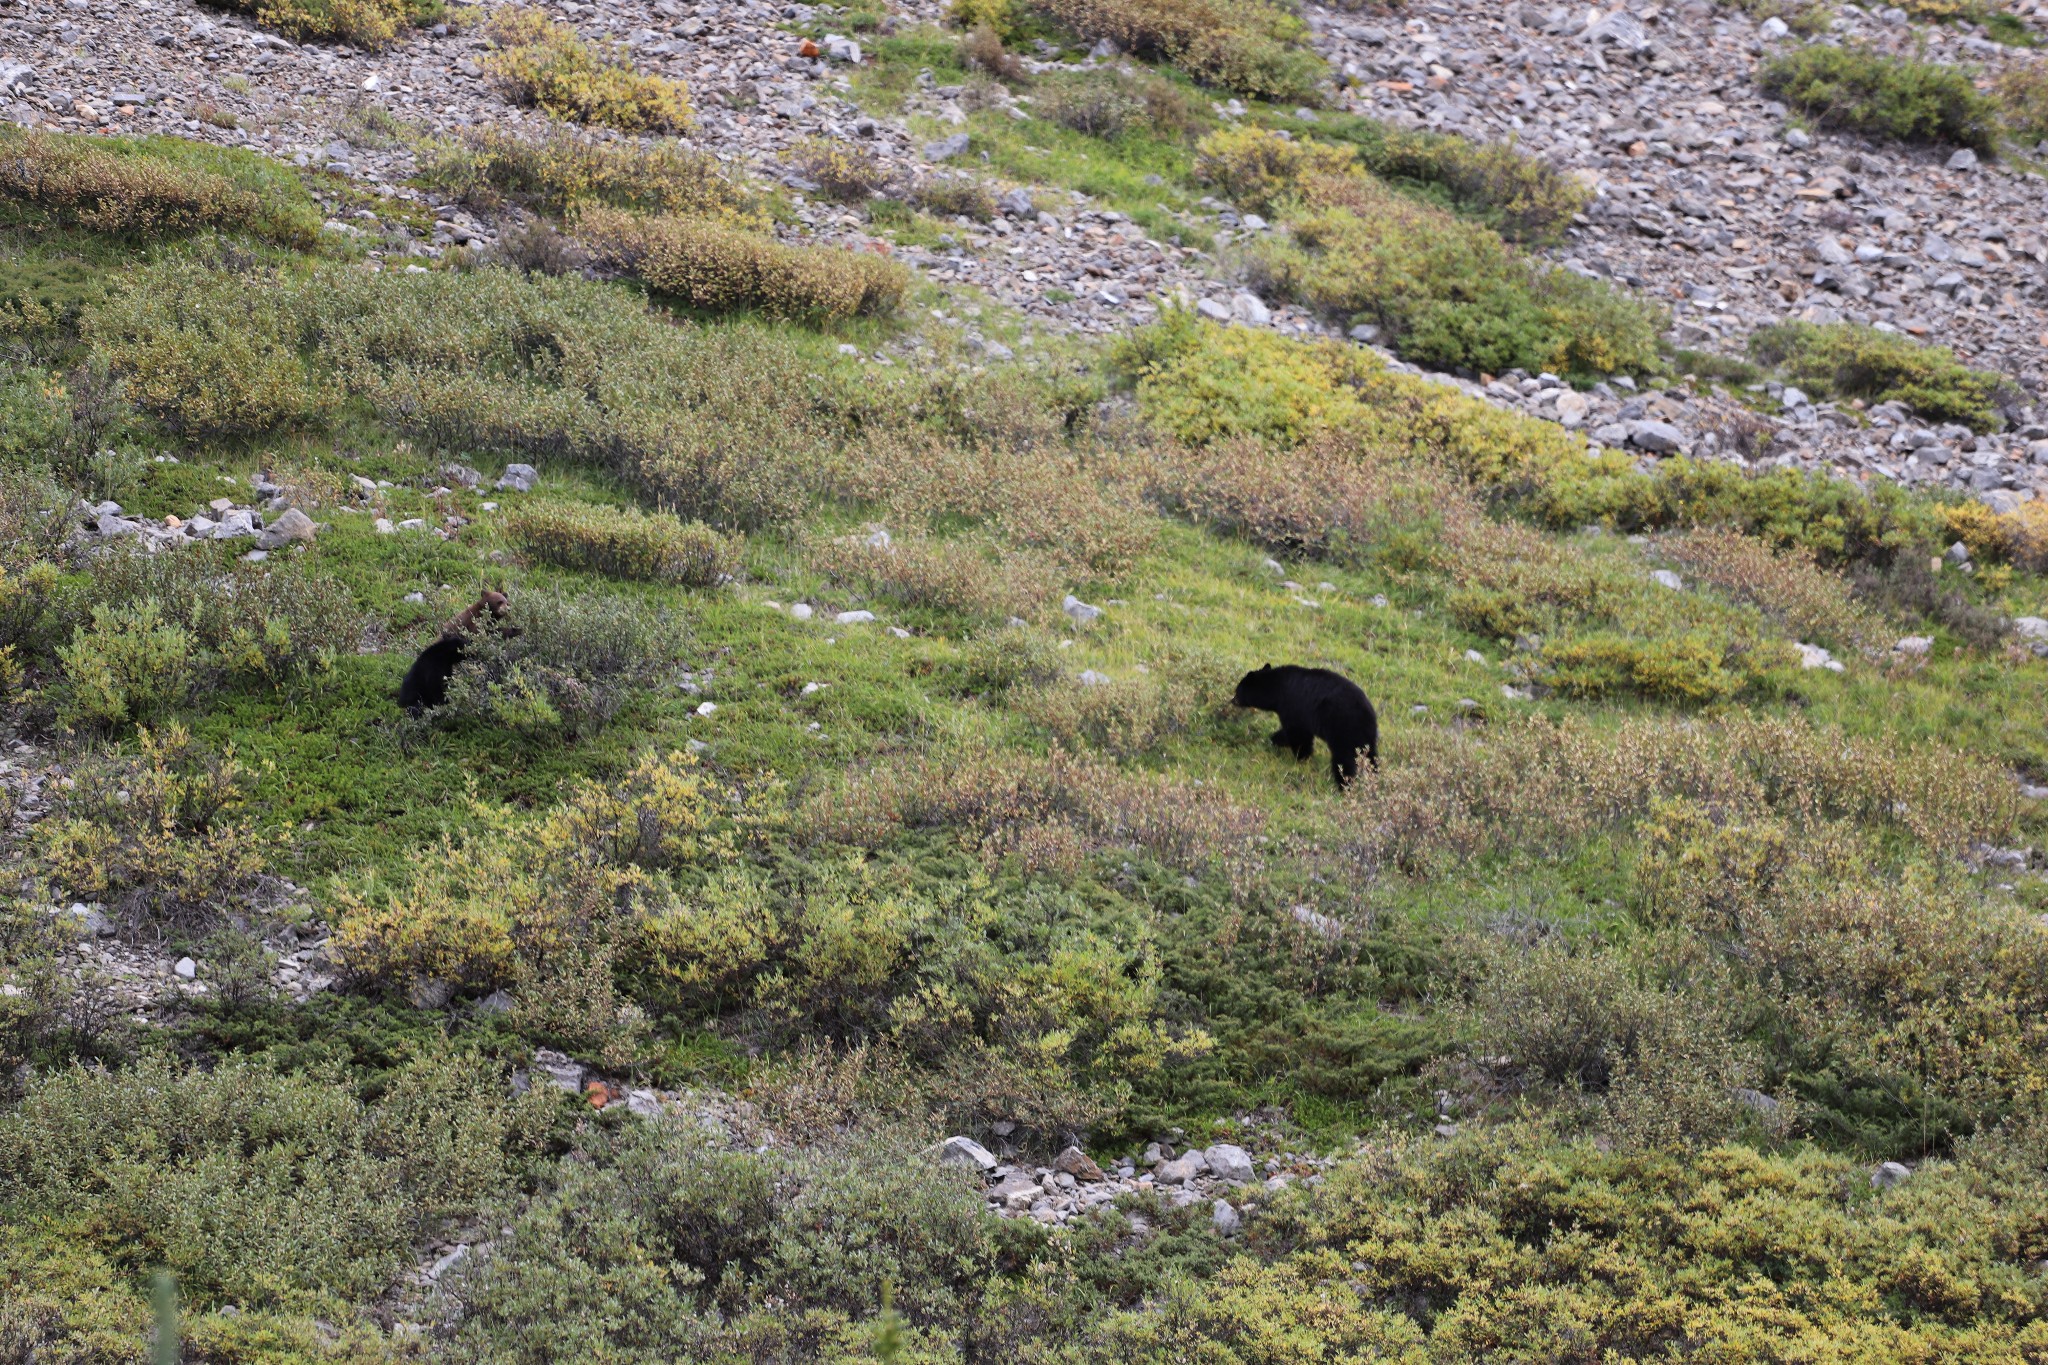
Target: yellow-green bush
{"x":365,"y":23}
{"x":151,"y":187}
{"x":566,"y":167}
{"x":1449,"y":293}
{"x":1252,"y":48}
{"x":844,"y":170}
{"x":545,"y":64}
{"x":170,"y":837}
{"x":1852,"y":361}
{"x":623,"y":544}
{"x":721,"y":268}
{"x":192,"y":353}
{"x":1257,"y":168}
{"x":125,"y":666}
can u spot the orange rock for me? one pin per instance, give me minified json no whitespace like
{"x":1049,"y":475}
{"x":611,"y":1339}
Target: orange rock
{"x":809,"y":49}
{"x":599,"y":1094}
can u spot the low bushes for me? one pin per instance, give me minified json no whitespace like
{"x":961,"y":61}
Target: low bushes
{"x":546,"y":65}
{"x":1851,"y":361}
{"x":1812,"y":603}
{"x":1202,"y":383}
{"x":1110,"y":104}
{"x":257,"y":1188}
{"x":843,"y":171}
{"x":151,"y":187}
{"x":2022,"y":93}
{"x":720,"y":268}
{"x":172,"y":837}
{"x":364,"y":23}
{"x":565,"y":662}
{"x":565,"y":167}
{"x":1451,"y":294}
{"x":623,"y":544}
{"x":1255,"y":49}
{"x":954,"y":576}
{"x":1896,"y":97}
{"x":1519,"y":196}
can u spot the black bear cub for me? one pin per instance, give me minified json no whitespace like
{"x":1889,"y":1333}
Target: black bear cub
{"x":426,"y":682}
{"x":1313,"y":704}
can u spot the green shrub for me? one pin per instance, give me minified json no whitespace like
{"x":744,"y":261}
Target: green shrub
{"x":151,"y":187}
{"x":1846,"y":360}
{"x":545,"y":65}
{"x":842,"y":170}
{"x":2022,"y":93}
{"x":191,"y":352}
{"x":365,"y":23}
{"x":721,"y":269}
{"x":127,"y":665}
{"x":168,"y":838}
{"x":623,"y":544}
{"x":575,"y":660}
{"x":564,"y":168}
{"x":257,"y":1188}
{"x":1114,"y":103}
{"x":1694,"y":668}
{"x":1255,"y":49}
{"x":1896,"y":97}
{"x":1449,"y":293}
{"x":723,"y":425}
{"x":953,"y":196}
{"x":275,"y":623}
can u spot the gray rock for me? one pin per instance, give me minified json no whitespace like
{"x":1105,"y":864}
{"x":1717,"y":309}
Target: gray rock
{"x":2003,"y":501}
{"x":1889,"y":1174}
{"x":430,"y":993}
{"x":1090,"y":678}
{"x":1830,"y":251}
{"x":449,"y":1262}
{"x":946,"y":148}
{"x":1016,"y":204}
{"x":1964,"y":159}
{"x":1229,"y":1162}
{"x":1182,"y":1169}
{"x":562,"y":1072}
{"x":292,"y":525}
{"x":497,"y":1002}
{"x":1813,"y":656}
{"x":1226,"y":1219}
{"x":2030,"y":627}
{"x":461,"y":474}
{"x":1668,"y":579}
{"x":1246,"y":307}
{"x":518,"y":478}
{"x":111,"y":526}
{"x":1755,"y":1099}
{"x":1080,"y":612}
{"x":1659,"y":438}
{"x":854,"y":618}
{"x":186,"y":968}
{"x":1914,"y":644}
{"x":645,"y":1103}
{"x":1773,"y":28}
{"x":960,"y":1150}
{"x":1212,"y":310}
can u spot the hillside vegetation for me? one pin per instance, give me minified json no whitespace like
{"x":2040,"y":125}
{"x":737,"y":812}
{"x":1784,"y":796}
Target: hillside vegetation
{"x":1693,"y":888}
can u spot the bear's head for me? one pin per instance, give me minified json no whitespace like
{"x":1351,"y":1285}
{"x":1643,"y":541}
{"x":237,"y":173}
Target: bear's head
{"x":1254,"y":687}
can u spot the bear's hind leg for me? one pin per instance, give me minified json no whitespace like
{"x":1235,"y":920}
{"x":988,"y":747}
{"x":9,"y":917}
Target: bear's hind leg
{"x":1343,"y":766}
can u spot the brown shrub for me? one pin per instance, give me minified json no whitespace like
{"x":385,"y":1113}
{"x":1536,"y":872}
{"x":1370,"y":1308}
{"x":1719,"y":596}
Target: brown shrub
{"x":943,"y":575}
{"x":1131,"y":716}
{"x":1331,"y":496}
{"x":1543,"y":787}
{"x":148,"y":187}
{"x":844,"y":172}
{"x":1005,"y":803}
{"x":564,"y":167}
{"x":1786,"y":585}
{"x":982,"y":49}
{"x":1035,"y":492}
{"x":720,"y":268}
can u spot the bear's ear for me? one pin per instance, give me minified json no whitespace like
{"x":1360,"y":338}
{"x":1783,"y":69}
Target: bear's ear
{"x":1268,"y":668}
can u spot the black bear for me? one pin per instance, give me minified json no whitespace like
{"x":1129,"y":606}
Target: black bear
{"x":426,"y":682}
{"x":1313,"y":704}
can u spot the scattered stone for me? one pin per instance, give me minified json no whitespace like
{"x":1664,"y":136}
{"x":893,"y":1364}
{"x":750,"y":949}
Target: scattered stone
{"x":1226,"y":1219}
{"x":1889,"y":1174}
{"x":518,"y":478}
{"x":965,"y":1151}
